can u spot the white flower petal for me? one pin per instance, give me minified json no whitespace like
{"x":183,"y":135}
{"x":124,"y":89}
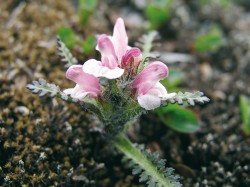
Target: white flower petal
{"x":112,"y":73}
{"x":76,"y":92}
{"x":161,"y":91}
{"x":95,"y":68}
{"x":68,"y":91}
{"x":148,"y":101}
{"x":152,"y":99}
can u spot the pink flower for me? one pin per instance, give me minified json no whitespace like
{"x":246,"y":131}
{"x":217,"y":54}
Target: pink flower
{"x":149,"y":91}
{"x":86,"y":84}
{"x":131,"y":60}
{"x":112,"y":50}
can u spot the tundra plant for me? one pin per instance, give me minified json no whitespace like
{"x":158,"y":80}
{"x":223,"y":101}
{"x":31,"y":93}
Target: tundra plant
{"x":117,"y":89}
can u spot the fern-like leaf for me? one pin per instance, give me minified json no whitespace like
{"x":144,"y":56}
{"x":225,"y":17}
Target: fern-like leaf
{"x":144,"y":176}
{"x":65,"y":53}
{"x":146,"y":42}
{"x":136,"y":170}
{"x":150,"y":168}
{"x":41,"y":87}
{"x":190,"y":98}
{"x":167,"y":172}
{"x":152,"y":183}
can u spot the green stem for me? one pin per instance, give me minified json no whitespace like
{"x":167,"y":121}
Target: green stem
{"x":126,"y":147}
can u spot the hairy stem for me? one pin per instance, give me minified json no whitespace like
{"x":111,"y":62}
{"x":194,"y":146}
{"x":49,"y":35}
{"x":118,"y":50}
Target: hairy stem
{"x":126,"y":147}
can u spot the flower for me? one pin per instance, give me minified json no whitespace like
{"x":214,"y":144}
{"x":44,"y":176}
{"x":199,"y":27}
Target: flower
{"x":118,"y":59}
{"x":131,"y":61}
{"x":86,"y":84}
{"x":112,"y":50}
{"x":149,"y":91}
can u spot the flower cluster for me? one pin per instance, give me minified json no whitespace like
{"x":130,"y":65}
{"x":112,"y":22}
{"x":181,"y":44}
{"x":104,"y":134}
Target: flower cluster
{"x":119,"y":66}
{"x":120,"y":86}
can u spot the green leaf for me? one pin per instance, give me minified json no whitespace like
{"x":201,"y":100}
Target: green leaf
{"x":245,"y":113}
{"x":174,"y":79}
{"x":88,"y":4}
{"x":221,"y":3}
{"x":68,"y":36}
{"x":86,"y":9}
{"x":210,"y":41}
{"x":139,"y":158}
{"x":178,"y":118}
{"x":158,"y":12}
{"x":88,"y":46}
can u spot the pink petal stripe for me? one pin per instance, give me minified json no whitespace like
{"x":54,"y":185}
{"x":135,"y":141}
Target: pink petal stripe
{"x":87,"y":82}
{"x":133,"y":55}
{"x":149,"y":76}
{"x":120,"y":38}
{"x":105,"y":45}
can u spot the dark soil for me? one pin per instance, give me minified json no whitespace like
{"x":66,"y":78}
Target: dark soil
{"x":48,"y":142}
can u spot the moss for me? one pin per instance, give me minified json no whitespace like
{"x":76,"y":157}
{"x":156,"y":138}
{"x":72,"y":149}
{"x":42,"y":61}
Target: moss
{"x":42,"y":141}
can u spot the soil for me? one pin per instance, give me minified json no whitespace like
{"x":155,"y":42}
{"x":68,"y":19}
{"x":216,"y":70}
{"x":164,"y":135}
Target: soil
{"x":48,"y":142}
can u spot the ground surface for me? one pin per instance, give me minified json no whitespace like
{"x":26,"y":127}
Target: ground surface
{"x":48,"y":142}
